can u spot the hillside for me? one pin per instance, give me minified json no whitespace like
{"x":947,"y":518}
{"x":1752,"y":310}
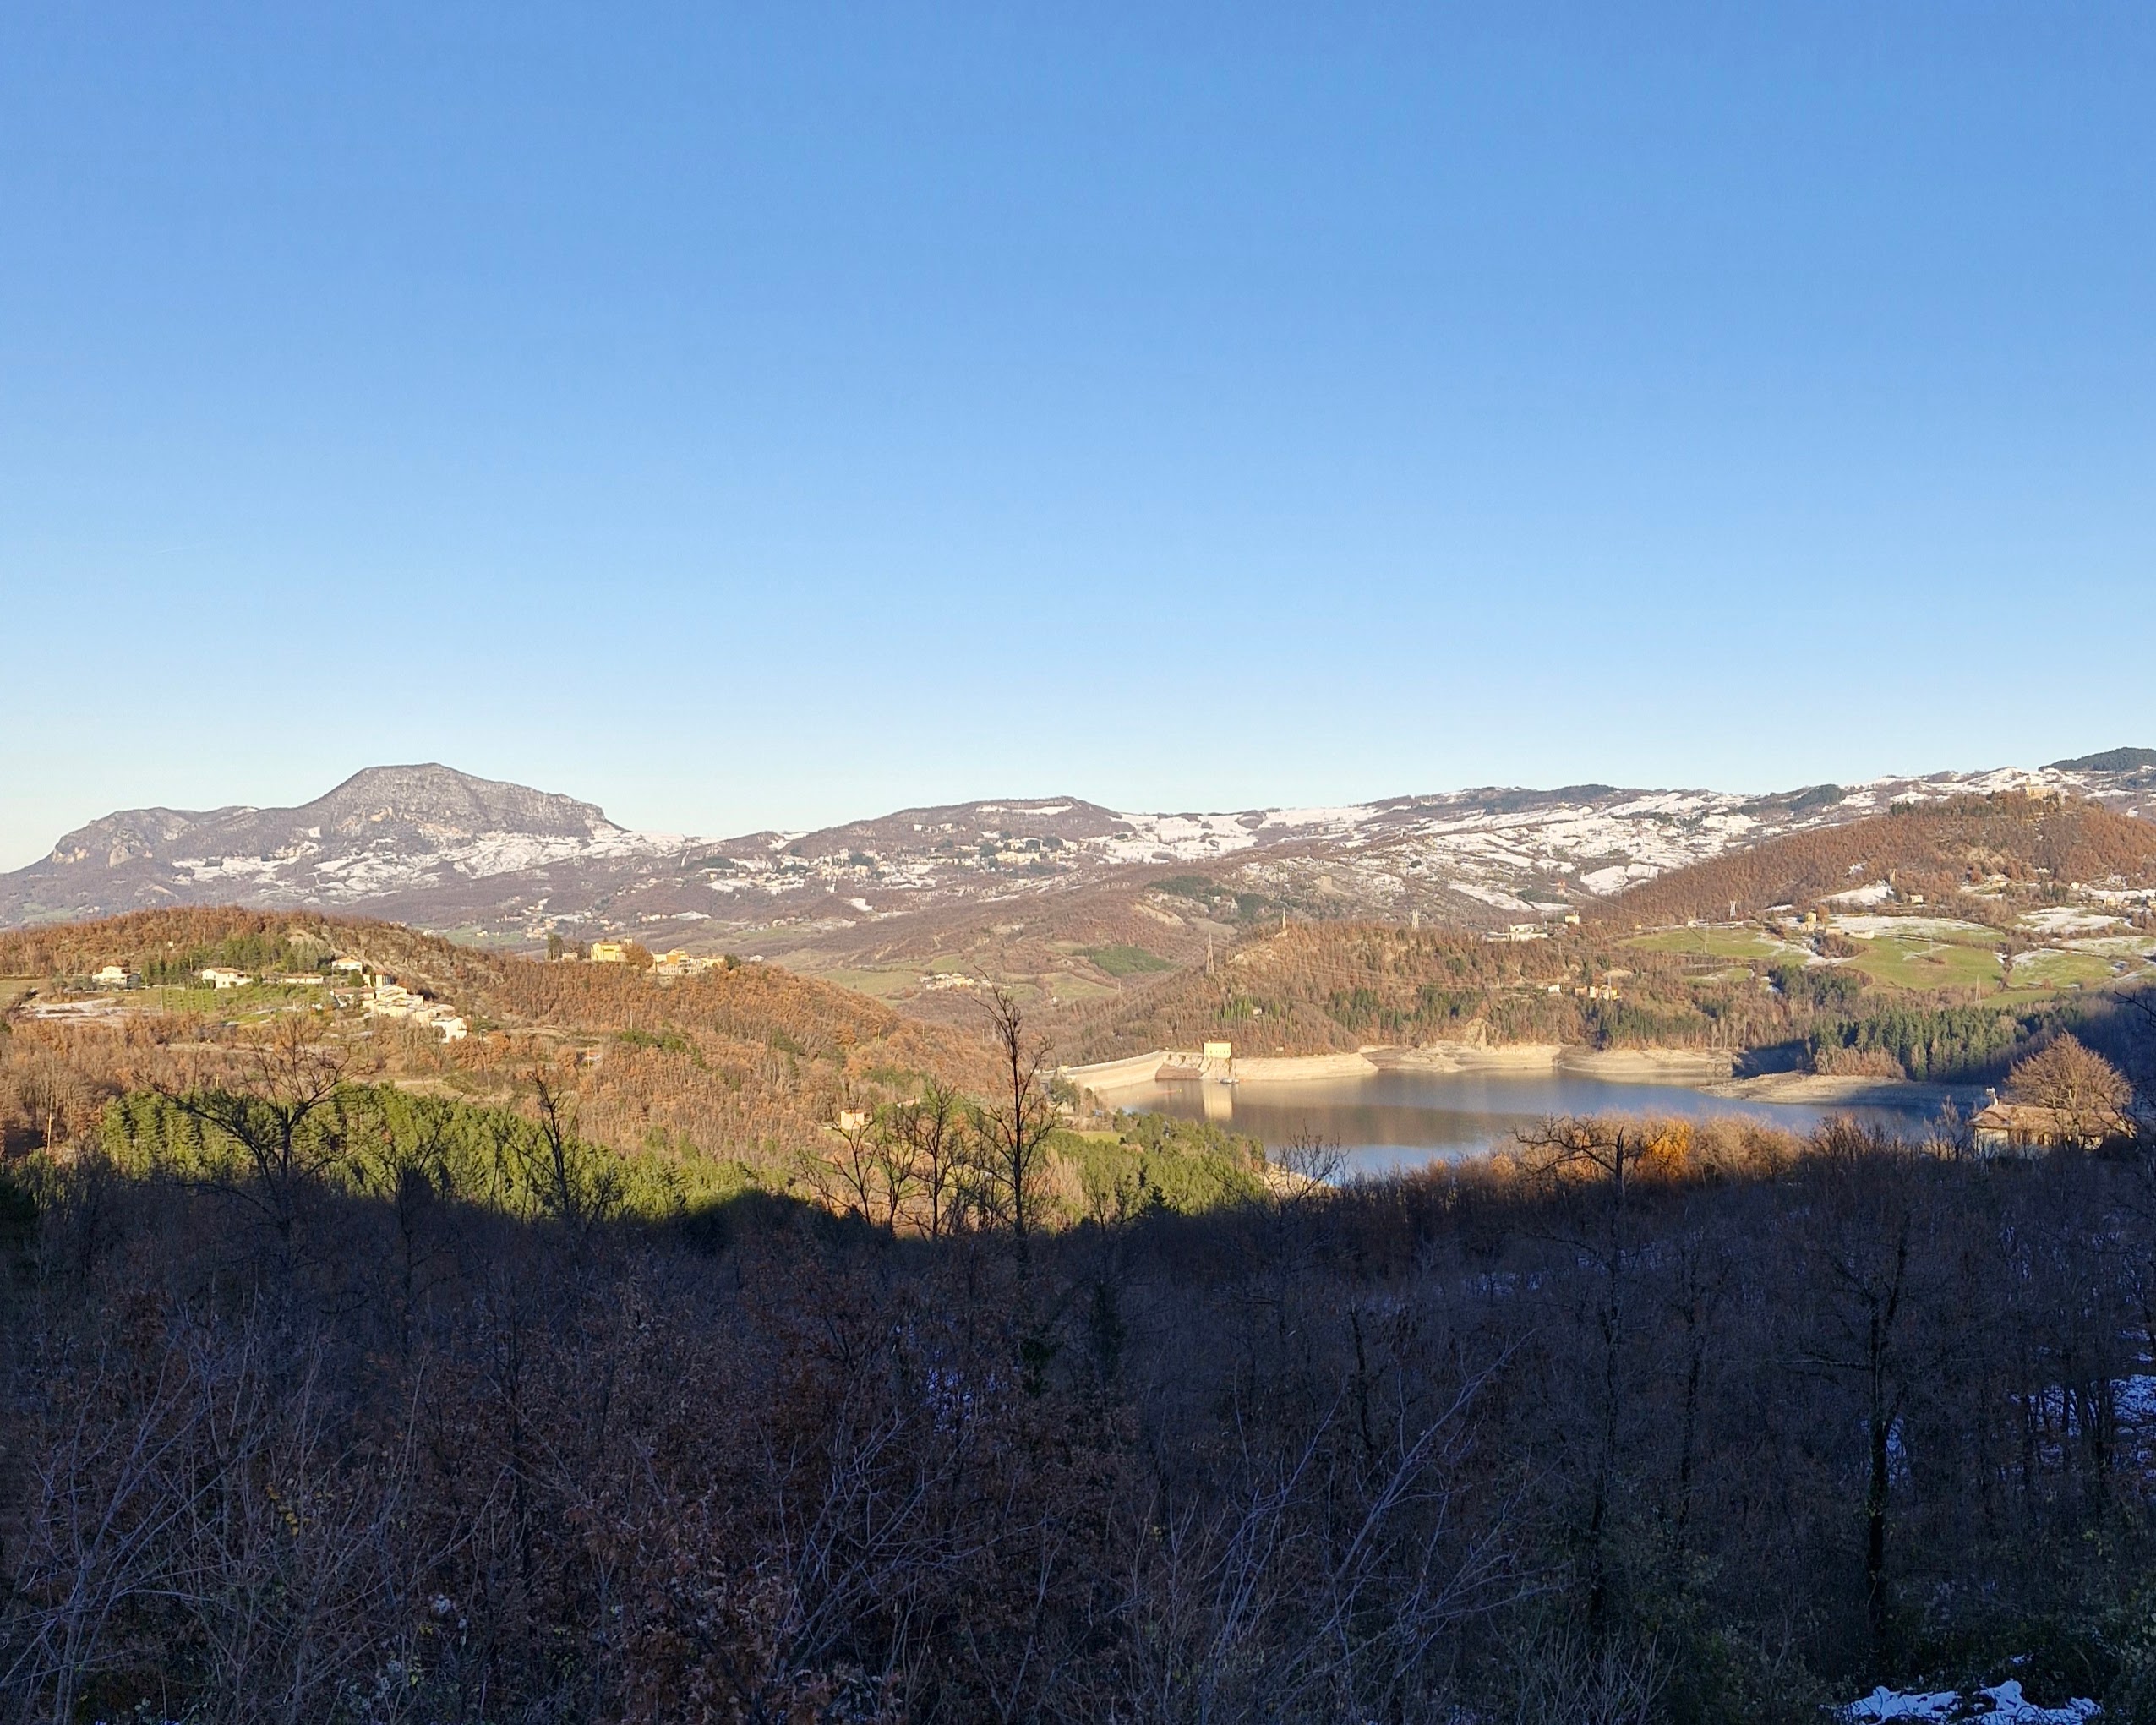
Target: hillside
{"x":2005,"y":848}
{"x":743,"y":1065}
{"x":1068,"y":899}
{"x":385,"y":834}
{"x":1923,"y":997}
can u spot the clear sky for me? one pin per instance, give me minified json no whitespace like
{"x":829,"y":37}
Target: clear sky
{"x":764,"y":415}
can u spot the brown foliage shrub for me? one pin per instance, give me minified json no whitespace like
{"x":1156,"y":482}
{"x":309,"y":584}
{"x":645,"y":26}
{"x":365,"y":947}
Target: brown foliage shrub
{"x":1857,"y":1063}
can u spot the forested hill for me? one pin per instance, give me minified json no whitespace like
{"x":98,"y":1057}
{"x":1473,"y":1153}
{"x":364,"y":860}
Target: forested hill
{"x":172,"y":946}
{"x":745,"y":1063}
{"x":1811,"y":999}
{"x":2012,"y":844}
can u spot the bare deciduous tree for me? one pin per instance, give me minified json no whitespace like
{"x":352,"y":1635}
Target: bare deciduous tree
{"x":569,"y":1180}
{"x":281,"y":1123}
{"x":846,"y":1171}
{"x":2084,"y":1091}
{"x":1012,"y":1132}
{"x":1601,"y":1157}
{"x":1859,"y":1241}
{"x":930,"y":1134}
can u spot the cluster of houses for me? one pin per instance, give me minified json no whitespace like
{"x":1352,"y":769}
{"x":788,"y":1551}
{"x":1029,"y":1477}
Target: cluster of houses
{"x":1587,"y":990}
{"x":666,"y":967}
{"x":385,"y":999}
{"x":390,"y":1000}
{"x":222,"y":976}
{"x":1521,"y":930}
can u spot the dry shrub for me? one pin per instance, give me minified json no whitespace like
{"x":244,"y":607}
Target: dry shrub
{"x":1857,"y":1063}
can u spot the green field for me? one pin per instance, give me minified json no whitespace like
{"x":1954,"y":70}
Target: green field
{"x":1748,"y":944}
{"x":1933,"y":954}
{"x":187,"y":1000}
{"x":2126,"y":947}
{"x":1069,"y":985}
{"x":879,"y":984}
{"x":2052,"y":970}
{"x":1125,"y":960}
{"x":1920,"y":964}
{"x":1917,"y":928}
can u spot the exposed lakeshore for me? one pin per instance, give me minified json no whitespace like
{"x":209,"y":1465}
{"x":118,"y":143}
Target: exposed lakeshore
{"x":1711,"y":1073}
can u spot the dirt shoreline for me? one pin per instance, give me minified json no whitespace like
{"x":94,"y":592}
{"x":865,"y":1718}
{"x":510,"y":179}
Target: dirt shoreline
{"x":1616,"y":1066}
{"x":1710,"y":1073}
{"x":1819,"y":1089}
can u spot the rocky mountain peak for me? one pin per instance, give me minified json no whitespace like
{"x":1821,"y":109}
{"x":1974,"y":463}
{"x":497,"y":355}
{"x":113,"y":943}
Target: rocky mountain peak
{"x":444,"y":803}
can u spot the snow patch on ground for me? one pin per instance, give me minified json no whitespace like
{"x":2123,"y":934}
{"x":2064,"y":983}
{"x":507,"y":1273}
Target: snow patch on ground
{"x":1340,"y":820}
{"x":1495,"y":896}
{"x":1175,"y":837}
{"x":2064,"y":919}
{"x":384,"y":868}
{"x":1618,"y":877}
{"x":2007,"y":1705}
{"x":1925,"y":928}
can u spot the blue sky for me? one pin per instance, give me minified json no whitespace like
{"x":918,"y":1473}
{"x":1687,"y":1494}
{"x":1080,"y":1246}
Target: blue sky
{"x":747,"y":416}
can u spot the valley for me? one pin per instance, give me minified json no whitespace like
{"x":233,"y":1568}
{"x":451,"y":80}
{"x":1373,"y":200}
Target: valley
{"x":1926,"y":948}
{"x":515,"y":1209}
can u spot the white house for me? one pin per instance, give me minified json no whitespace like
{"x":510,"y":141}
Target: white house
{"x":218,"y":977}
{"x":116,"y":976}
{"x":388,"y":1000}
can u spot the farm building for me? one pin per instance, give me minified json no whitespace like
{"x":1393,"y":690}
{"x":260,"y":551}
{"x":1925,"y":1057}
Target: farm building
{"x":2003,"y":1127}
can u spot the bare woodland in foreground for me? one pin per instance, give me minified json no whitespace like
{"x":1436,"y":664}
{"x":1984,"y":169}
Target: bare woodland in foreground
{"x":1634,"y":1424}
{"x":333,"y":1398}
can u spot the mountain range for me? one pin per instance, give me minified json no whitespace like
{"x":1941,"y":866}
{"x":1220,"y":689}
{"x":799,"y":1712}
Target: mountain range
{"x":502,"y":863}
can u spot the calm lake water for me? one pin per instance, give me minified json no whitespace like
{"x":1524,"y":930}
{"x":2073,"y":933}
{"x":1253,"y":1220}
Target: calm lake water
{"x":1402,"y":1119}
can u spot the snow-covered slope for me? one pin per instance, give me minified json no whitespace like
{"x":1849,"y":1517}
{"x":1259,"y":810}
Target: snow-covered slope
{"x":428,"y":845}
{"x":388,"y":830}
{"x":1514,"y":849}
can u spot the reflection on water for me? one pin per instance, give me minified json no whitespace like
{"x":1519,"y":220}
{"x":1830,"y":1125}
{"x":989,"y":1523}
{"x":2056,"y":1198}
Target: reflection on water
{"x":1401,"y":1119}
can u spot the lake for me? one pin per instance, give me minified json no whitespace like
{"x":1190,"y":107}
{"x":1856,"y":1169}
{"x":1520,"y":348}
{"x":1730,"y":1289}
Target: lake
{"x":1402,"y":1119}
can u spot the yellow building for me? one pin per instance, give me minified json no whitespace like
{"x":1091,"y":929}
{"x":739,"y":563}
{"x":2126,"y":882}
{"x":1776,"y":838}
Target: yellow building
{"x":609,"y":952}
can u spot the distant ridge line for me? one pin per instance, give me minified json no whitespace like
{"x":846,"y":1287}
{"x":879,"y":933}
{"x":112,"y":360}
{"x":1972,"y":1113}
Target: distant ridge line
{"x":2110,"y":760}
